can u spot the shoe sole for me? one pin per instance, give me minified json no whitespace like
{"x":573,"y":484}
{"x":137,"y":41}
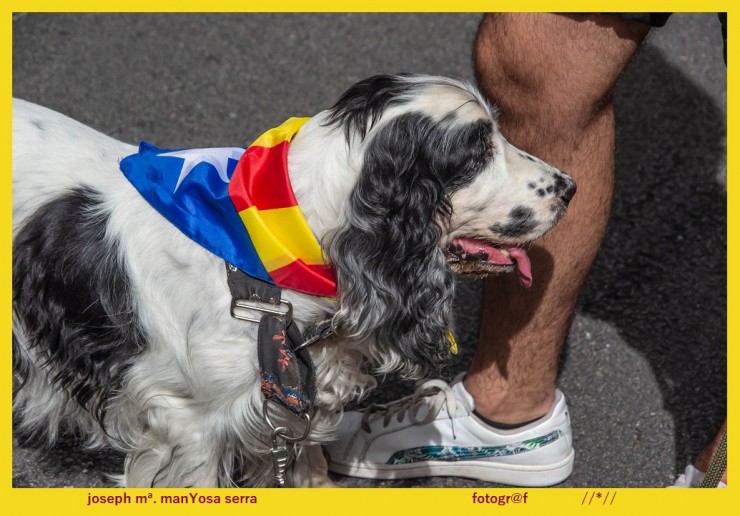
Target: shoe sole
{"x":509,"y":474}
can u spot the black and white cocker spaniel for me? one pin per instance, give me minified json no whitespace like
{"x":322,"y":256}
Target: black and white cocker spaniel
{"x":127,"y":330}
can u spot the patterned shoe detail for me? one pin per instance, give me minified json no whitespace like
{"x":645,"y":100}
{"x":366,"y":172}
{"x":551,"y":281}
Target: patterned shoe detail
{"x":456,"y":453}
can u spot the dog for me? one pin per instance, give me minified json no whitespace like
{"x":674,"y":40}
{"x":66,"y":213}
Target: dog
{"x":122,"y":327}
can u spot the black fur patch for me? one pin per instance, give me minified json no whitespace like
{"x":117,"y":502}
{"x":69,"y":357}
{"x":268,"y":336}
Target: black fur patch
{"x":71,"y":295}
{"x":521,"y":222}
{"x":388,"y":259}
{"x":362,"y":105}
{"x":459,"y":151}
{"x":467,"y":151}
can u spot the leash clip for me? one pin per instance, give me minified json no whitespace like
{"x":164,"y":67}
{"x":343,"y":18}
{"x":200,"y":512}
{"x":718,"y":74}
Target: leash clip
{"x":279,"y":452}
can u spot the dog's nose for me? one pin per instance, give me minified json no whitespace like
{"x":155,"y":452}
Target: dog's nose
{"x":567,"y":190}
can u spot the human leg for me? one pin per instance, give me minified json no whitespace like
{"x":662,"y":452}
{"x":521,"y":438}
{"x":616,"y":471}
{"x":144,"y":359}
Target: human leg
{"x":552,"y":76}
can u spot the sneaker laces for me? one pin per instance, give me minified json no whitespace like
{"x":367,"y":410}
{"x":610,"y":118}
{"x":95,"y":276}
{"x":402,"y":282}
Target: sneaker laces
{"x":432,"y":394}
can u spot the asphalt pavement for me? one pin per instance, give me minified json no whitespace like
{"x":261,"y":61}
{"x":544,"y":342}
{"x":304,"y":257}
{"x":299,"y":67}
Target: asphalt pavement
{"x":644,"y":368}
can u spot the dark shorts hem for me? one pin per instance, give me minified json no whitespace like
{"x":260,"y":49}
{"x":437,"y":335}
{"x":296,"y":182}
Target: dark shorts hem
{"x":652,"y":19}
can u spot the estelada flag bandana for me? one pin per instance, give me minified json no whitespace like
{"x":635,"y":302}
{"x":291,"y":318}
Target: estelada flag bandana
{"x":239,"y":205}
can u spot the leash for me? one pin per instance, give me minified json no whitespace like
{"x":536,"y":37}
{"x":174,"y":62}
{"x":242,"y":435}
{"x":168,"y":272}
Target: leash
{"x":287,"y":373}
{"x":717,"y":466}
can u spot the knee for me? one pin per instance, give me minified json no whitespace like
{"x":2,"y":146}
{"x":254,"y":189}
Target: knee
{"x":553,"y":70}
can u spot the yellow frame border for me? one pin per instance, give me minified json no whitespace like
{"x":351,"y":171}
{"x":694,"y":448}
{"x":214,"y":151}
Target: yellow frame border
{"x":363,"y":501}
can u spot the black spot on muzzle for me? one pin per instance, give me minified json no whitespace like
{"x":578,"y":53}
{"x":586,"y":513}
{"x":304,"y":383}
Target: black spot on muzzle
{"x":521,"y":222}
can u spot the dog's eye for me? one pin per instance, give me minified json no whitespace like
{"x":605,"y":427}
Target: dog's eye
{"x":490,"y":149}
{"x":481,"y":159}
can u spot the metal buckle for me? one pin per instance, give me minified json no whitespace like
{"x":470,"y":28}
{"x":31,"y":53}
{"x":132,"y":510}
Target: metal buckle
{"x":243,"y":309}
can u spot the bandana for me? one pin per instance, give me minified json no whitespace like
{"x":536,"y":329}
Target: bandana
{"x":239,"y":205}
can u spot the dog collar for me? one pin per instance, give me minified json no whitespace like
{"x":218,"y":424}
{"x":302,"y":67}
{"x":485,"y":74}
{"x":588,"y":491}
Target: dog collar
{"x":239,"y":205}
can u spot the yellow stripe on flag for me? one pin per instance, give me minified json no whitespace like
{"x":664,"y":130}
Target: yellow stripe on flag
{"x":280,"y":134}
{"x":272,"y":253}
{"x":281,"y":236}
{"x":290,"y":228}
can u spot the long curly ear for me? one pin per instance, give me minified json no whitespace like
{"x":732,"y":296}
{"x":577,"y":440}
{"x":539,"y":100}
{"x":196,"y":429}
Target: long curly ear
{"x":394,"y":285}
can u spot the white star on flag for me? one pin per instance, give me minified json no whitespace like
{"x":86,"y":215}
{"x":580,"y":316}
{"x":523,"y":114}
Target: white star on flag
{"x":216,"y":157}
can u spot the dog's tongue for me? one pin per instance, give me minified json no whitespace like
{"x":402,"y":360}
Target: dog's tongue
{"x":514,"y":255}
{"x":523,"y":265}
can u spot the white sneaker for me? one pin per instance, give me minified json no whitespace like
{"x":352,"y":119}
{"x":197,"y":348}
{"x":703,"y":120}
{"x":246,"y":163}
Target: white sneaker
{"x":435,"y":433}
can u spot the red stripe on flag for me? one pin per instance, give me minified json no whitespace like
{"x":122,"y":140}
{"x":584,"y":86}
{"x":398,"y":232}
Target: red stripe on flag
{"x":319,"y":280}
{"x":270,"y":187}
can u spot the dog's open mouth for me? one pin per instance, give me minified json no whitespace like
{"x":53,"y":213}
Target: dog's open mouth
{"x":472,"y":257}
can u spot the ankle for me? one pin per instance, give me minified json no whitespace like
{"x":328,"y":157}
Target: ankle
{"x":508,"y":406}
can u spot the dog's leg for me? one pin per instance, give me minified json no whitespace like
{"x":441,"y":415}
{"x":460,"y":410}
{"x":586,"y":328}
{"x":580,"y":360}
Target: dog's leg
{"x":174,"y":448}
{"x":179,"y":432}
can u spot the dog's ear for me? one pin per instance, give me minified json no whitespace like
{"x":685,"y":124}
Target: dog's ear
{"x":393,"y":283}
